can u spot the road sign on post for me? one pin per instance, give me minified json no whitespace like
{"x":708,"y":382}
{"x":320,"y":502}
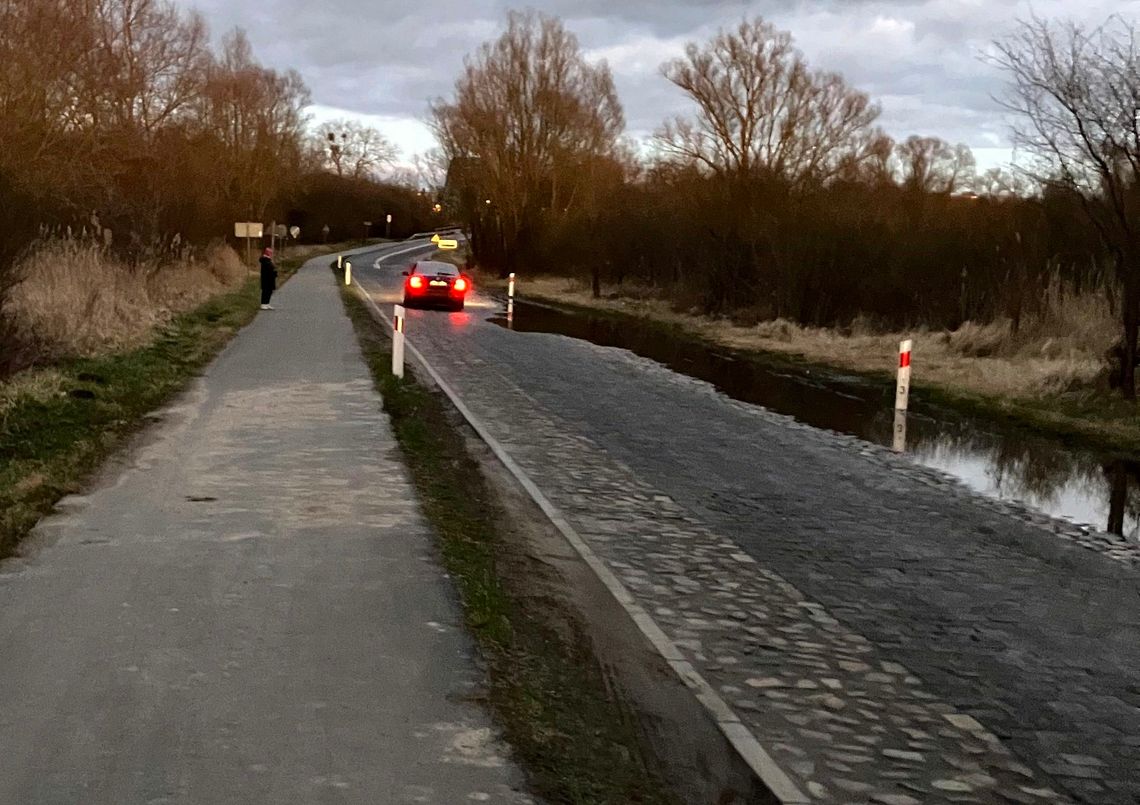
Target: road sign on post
{"x":902,"y":392}
{"x":398,"y":342}
{"x":247,"y":230}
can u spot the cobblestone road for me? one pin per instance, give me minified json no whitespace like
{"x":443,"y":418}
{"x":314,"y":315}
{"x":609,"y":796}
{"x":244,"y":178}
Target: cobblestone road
{"x":887,"y":635}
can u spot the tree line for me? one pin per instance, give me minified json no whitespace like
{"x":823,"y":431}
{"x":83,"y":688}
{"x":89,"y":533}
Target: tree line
{"x":780,"y":196}
{"x":122,"y":124}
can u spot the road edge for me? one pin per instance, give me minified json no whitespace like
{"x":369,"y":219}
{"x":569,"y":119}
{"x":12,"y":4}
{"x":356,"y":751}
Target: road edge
{"x":747,"y":746}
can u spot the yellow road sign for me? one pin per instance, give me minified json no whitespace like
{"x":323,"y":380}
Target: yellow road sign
{"x":435,"y":238}
{"x":448,"y":245}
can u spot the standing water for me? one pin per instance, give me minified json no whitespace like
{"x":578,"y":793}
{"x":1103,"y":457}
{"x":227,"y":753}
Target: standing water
{"x":1008,"y":463}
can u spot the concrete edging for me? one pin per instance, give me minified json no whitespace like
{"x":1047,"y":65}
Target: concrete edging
{"x":734,"y":730}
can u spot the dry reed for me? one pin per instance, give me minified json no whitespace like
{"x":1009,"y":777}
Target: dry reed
{"x":77,"y":299}
{"x":1060,"y":349}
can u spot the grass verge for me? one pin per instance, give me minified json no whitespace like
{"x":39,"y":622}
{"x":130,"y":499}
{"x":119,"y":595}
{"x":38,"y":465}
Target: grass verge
{"x":58,"y":424}
{"x":1082,"y":416}
{"x":548,"y":693}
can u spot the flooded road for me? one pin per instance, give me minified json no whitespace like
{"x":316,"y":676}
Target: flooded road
{"x":1082,"y":486}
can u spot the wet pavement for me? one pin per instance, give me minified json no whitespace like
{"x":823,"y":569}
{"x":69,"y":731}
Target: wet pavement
{"x":1086,"y":487}
{"x":888,"y":634}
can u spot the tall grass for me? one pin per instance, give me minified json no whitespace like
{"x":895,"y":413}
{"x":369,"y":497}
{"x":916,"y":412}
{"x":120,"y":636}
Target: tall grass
{"x":77,"y":299}
{"x":1061,"y":347}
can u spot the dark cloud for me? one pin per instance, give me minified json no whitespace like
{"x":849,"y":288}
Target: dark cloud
{"x":920,"y":58}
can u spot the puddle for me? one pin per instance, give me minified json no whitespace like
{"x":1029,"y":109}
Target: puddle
{"x":1084,"y":487}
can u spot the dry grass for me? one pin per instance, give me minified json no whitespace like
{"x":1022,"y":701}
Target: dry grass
{"x":78,"y":300}
{"x":1062,"y":350}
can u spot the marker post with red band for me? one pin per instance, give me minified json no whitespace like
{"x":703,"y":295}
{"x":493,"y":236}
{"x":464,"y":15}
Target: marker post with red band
{"x":902,"y":393}
{"x":511,"y":301}
{"x":398,"y":342}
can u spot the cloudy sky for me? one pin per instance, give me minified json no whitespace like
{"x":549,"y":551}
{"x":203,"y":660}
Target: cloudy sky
{"x":382,"y":60}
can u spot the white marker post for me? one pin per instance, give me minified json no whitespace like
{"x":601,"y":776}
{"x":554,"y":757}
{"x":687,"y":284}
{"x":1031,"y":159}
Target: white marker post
{"x":347,"y":273}
{"x":902,"y":393}
{"x":511,"y":287}
{"x":340,"y":261}
{"x":899,"y":442}
{"x":398,"y":342}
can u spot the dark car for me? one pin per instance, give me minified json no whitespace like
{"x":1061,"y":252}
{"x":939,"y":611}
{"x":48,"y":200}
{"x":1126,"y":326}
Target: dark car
{"x":435,"y":284}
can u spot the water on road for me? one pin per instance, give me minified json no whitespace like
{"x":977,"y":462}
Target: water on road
{"x":1083,"y":486}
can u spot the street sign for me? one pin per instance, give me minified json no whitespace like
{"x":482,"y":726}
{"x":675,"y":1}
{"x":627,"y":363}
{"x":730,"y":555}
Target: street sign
{"x":435,"y":238}
{"x":448,"y":245}
{"x":295,"y":231}
{"x":247,"y":230}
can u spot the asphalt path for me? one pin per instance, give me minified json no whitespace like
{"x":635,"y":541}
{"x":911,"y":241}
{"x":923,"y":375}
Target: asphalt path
{"x":249,"y":607}
{"x":1036,"y":638}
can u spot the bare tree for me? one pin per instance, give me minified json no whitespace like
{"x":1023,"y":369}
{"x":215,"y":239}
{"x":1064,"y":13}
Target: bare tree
{"x":256,"y":115}
{"x":1077,"y":91}
{"x":1002,"y":183}
{"x":932,"y":165}
{"x":351,"y":149}
{"x":527,"y":112}
{"x":761,"y":110}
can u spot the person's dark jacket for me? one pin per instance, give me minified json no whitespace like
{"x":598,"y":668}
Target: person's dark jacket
{"x":268,"y":273}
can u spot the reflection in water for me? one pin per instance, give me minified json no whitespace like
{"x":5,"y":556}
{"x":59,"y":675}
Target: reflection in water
{"x":1001,"y":462}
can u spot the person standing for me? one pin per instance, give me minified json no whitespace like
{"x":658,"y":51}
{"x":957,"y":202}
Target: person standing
{"x":268,"y":278}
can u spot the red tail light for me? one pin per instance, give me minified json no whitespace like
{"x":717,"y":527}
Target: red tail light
{"x":415,"y":281}
{"x":460,"y":285}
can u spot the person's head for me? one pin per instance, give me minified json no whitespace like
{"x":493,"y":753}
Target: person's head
{"x":268,"y":252}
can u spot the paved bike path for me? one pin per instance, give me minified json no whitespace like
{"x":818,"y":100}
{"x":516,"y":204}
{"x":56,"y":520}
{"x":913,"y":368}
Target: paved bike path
{"x":249,"y":608}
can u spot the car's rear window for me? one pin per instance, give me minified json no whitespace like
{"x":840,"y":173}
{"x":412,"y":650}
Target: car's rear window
{"x":432,"y":268}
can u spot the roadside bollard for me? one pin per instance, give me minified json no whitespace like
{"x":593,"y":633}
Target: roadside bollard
{"x":347,"y":273}
{"x":899,"y":442}
{"x":398,"y":342}
{"x":902,"y":392}
{"x":511,"y":301}
{"x":340,"y":261}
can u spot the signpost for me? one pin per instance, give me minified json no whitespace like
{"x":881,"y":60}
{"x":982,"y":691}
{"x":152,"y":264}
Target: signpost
{"x":388,"y":226}
{"x":248,"y":230}
{"x":435,"y":238}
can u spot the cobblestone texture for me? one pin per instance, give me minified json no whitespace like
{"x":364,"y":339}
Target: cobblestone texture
{"x":888,"y":635}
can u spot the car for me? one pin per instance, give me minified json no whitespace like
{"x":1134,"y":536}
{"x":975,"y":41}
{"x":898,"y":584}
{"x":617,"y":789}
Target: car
{"x":433,"y":283}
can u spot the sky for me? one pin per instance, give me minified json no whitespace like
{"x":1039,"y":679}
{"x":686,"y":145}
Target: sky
{"x":923,"y":61}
